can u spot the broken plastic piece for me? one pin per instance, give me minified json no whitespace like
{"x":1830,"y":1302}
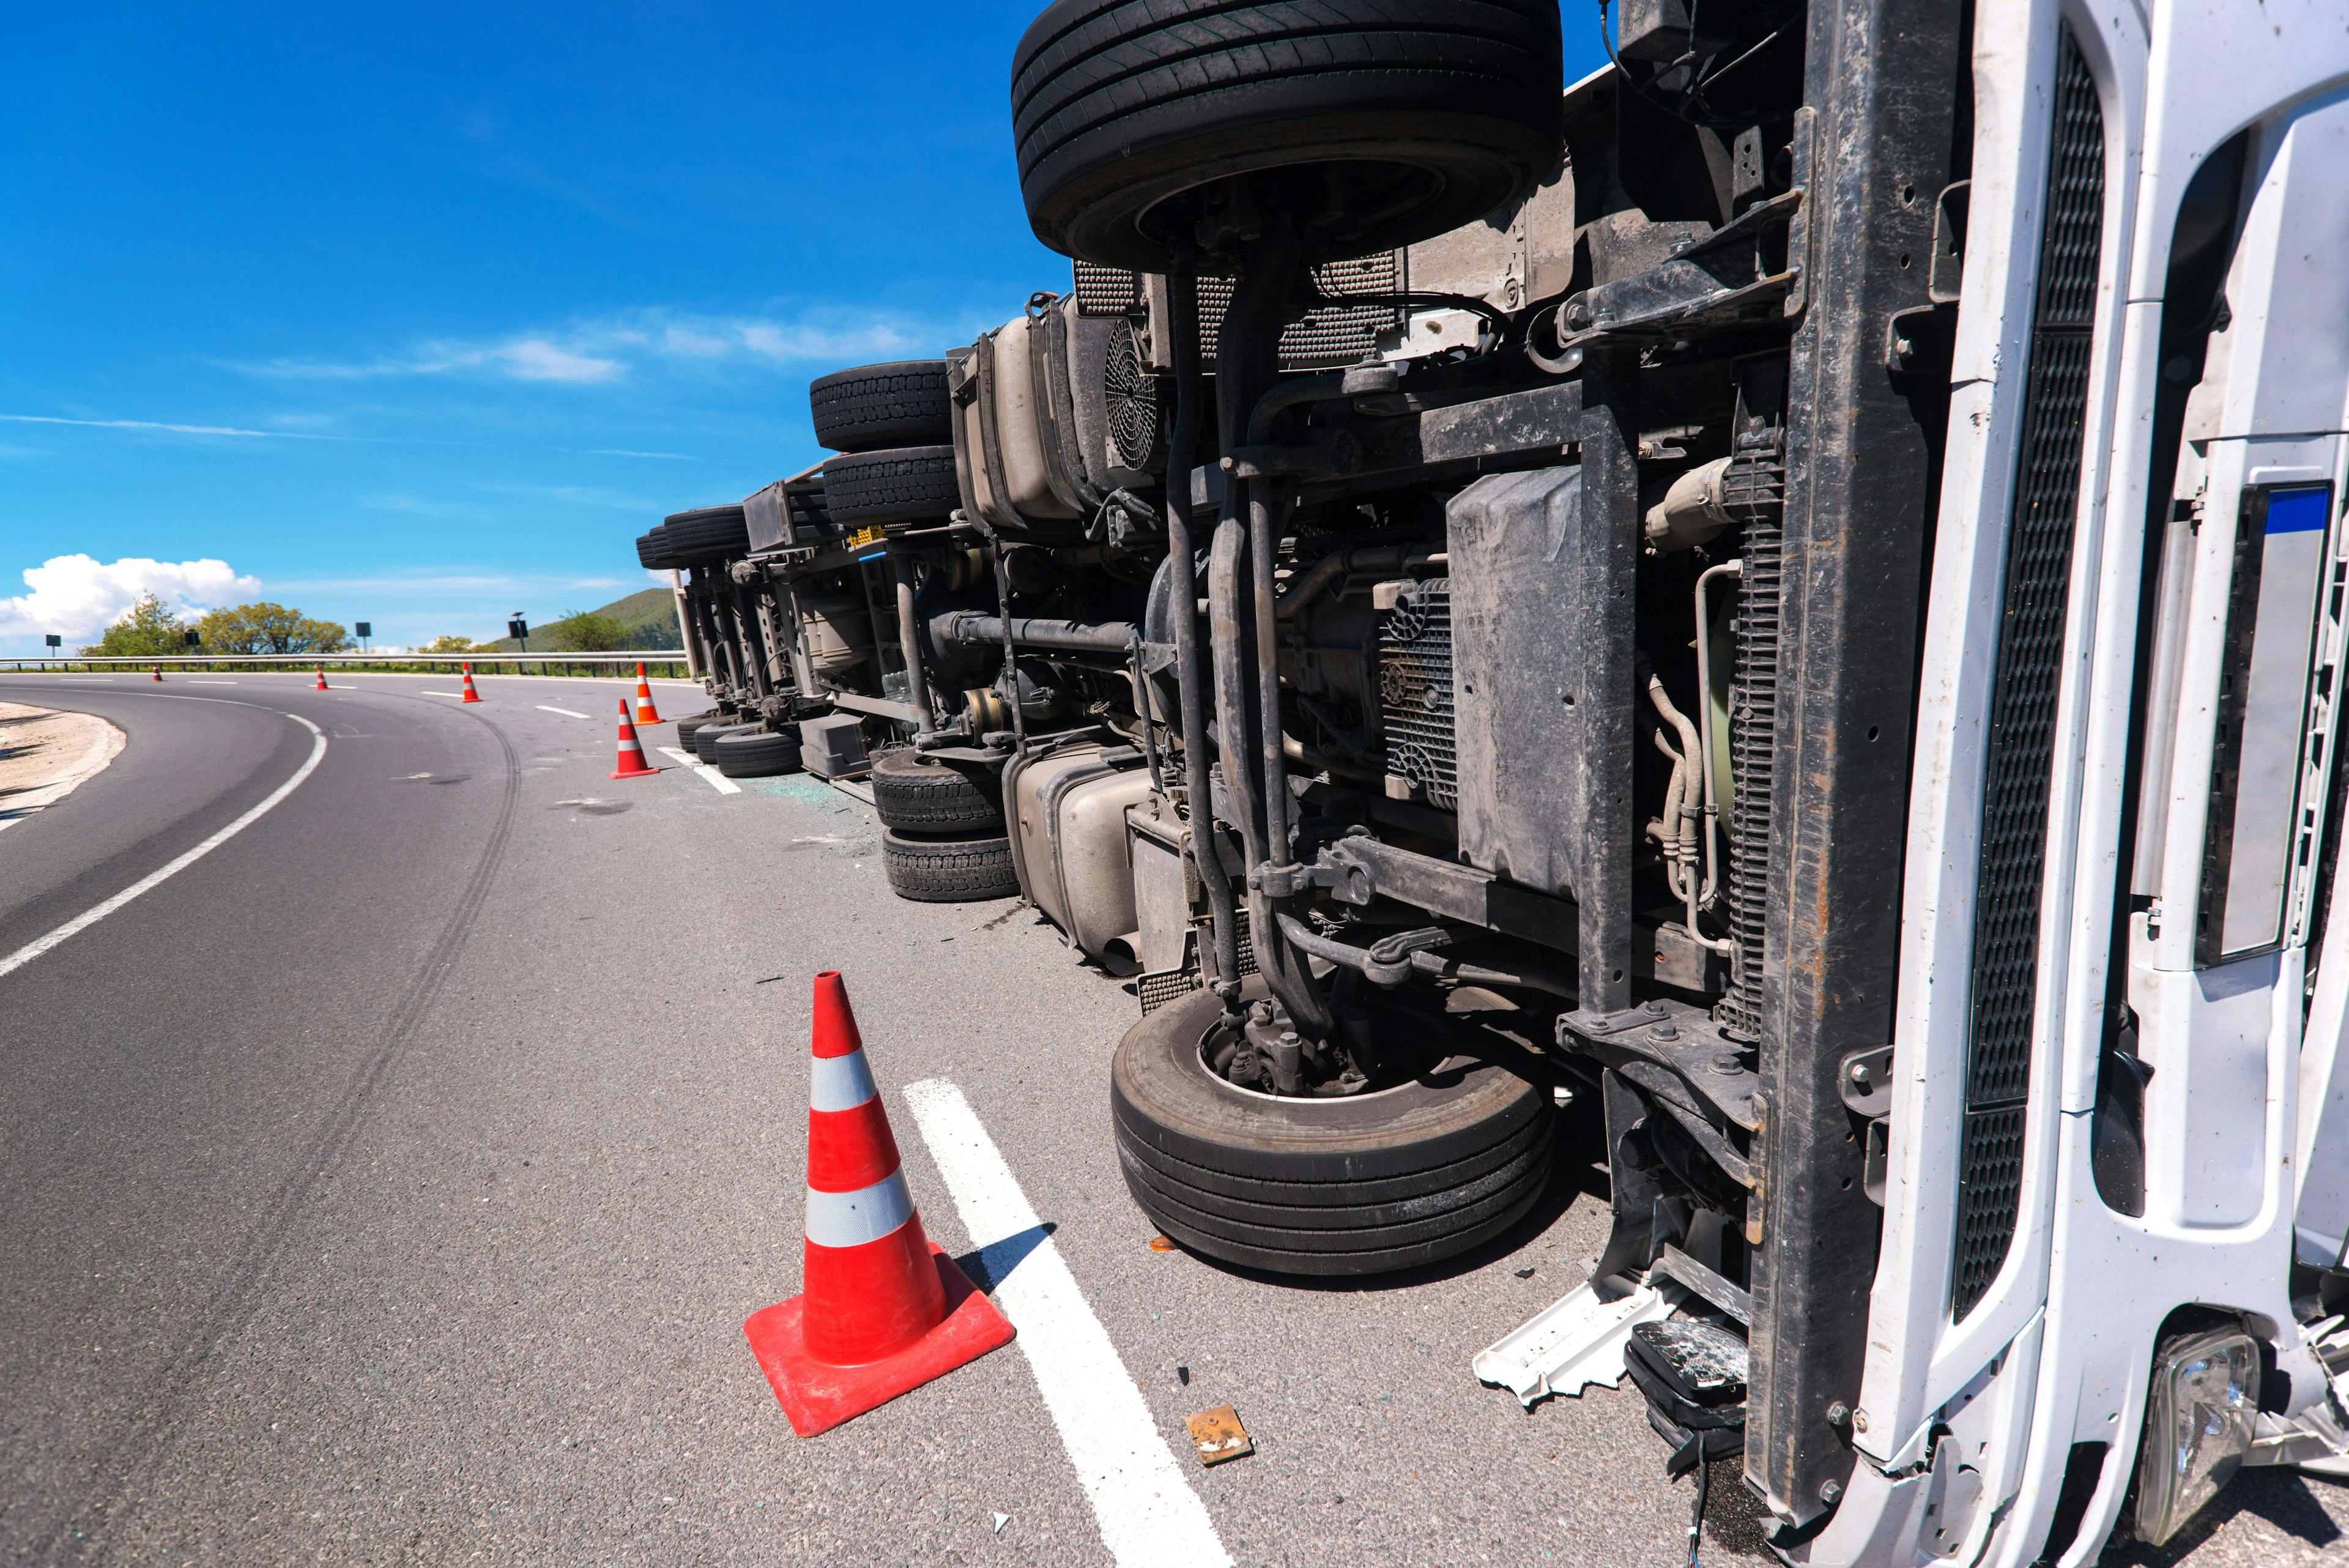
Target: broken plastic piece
{"x":1162,"y":1243}
{"x":1573,"y":1342}
{"x":1000,"y":1520}
{"x":1218,"y":1436}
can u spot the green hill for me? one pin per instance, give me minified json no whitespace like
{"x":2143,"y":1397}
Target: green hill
{"x":650,"y":618}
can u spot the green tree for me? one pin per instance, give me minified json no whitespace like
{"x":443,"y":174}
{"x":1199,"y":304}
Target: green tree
{"x":147,"y":629}
{"x":588,"y":631}
{"x":267,"y":628}
{"x":449,"y":642}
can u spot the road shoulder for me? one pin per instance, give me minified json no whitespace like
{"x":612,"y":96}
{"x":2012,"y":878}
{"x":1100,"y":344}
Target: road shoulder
{"x":45,"y":753}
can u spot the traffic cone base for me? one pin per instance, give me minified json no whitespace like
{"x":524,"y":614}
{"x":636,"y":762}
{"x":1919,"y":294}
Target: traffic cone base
{"x":818,"y":1396}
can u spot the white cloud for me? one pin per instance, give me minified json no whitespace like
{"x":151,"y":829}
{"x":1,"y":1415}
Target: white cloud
{"x":77,"y":596}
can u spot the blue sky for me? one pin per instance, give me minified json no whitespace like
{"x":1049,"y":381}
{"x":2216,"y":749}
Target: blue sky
{"x":461,"y":269}
{"x":420,"y":315}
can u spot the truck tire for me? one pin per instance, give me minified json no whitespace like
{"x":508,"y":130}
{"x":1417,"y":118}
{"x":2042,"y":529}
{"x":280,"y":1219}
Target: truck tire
{"x":705,"y":739}
{"x":653,"y":551}
{"x":756,"y":754}
{"x":1357,"y":1185}
{"x":922,"y":794}
{"x":949,"y":871}
{"x":894,"y":486}
{"x":706,"y":533}
{"x":874,"y":407}
{"x":687,"y":728}
{"x":1413,"y":116}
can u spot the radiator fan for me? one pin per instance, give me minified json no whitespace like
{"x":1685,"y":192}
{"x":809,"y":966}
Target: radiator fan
{"x":1131,"y":395}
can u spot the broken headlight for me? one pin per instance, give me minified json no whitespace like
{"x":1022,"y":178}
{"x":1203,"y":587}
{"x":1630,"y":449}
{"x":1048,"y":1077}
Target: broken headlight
{"x":2197,"y":1426}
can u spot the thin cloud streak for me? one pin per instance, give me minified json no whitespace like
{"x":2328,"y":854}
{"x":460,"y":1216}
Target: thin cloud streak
{"x":175,"y":430}
{"x":606,"y":350}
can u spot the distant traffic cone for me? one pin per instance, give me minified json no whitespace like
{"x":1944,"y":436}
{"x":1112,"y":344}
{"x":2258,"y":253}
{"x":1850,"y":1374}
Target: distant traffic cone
{"x":646,"y":712}
{"x":471,"y":695}
{"x":158,"y":672}
{"x":883,"y":1309}
{"x":631,"y":764}
{"x":322,"y":677}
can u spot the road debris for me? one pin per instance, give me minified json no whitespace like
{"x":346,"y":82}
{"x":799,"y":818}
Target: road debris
{"x":1162,"y":1243}
{"x":1218,"y":1436}
{"x":1183,"y":1376}
{"x":1000,"y":1520}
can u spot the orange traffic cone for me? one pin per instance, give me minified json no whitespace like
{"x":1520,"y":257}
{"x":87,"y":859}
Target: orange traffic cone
{"x":631,"y":764}
{"x":471,"y":695}
{"x":158,"y":672}
{"x":322,"y":677}
{"x":646,"y":712}
{"x":883,"y":1309}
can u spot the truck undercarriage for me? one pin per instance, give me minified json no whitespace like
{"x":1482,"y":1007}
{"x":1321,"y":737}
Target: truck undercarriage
{"x":1784,"y":596}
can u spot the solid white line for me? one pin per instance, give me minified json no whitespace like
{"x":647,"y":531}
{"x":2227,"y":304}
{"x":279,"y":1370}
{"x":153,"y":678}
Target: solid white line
{"x":439,"y":693}
{"x":206,"y":680}
{"x":1148,"y":1514}
{"x":565,"y":712}
{"x":156,"y":878}
{"x":709,"y":776}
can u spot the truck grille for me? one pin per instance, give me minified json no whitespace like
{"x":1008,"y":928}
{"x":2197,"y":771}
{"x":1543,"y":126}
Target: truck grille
{"x":2013,"y":868}
{"x":1415,"y":705}
{"x":1755,"y":489}
{"x":1156,"y":991}
{"x":1328,"y":336}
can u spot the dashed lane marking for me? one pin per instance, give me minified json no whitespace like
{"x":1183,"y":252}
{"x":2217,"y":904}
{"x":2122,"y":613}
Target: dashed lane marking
{"x":1148,"y":1514}
{"x":157,"y":878}
{"x":439,"y":693}
{"x":565,"y":712}
{"x":709,"y":776}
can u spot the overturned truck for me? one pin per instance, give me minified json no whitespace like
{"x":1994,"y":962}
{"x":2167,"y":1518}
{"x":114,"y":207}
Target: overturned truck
{"x":1787,"y":596}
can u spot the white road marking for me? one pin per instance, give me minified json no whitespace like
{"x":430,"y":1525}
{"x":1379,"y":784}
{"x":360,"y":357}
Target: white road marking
{"x":565,"y":712}
{"x":1148,"y":1514}
{"x":439,"y":693}
{"x":709,"y":776}
{"x":157,"y":878}
{"x":207,"y":681}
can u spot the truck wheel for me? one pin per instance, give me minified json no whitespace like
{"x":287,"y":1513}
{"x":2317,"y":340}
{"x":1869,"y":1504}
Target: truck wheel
{"x":1356,"y":1185}
{"x":688,"y":728}
{"x":922,"y":794}
{"x":705,"y":739}
{"x":949,"y":871}
{"x":654,"y":552}
{"x":1407,"y":117}
{"x":877,"y":406}
{"x":706,"y":532}
{"x":756,"y":754}
{"x":894,"y":486}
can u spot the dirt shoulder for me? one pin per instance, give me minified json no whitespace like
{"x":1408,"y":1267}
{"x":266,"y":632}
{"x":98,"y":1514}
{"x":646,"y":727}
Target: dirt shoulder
{"x":45,"y":753}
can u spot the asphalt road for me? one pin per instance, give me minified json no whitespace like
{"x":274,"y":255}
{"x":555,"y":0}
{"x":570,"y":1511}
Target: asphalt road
{"x":391,"y":1184}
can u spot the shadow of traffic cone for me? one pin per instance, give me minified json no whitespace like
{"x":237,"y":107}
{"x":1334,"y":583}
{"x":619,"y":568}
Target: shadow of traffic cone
{"x":631,"y":764}
{"x":471,"y":695}
{"x":646,"y":712}
{"x":322,"y":677}
{"x":882,"y":1309}
{"x":158,"y":672}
